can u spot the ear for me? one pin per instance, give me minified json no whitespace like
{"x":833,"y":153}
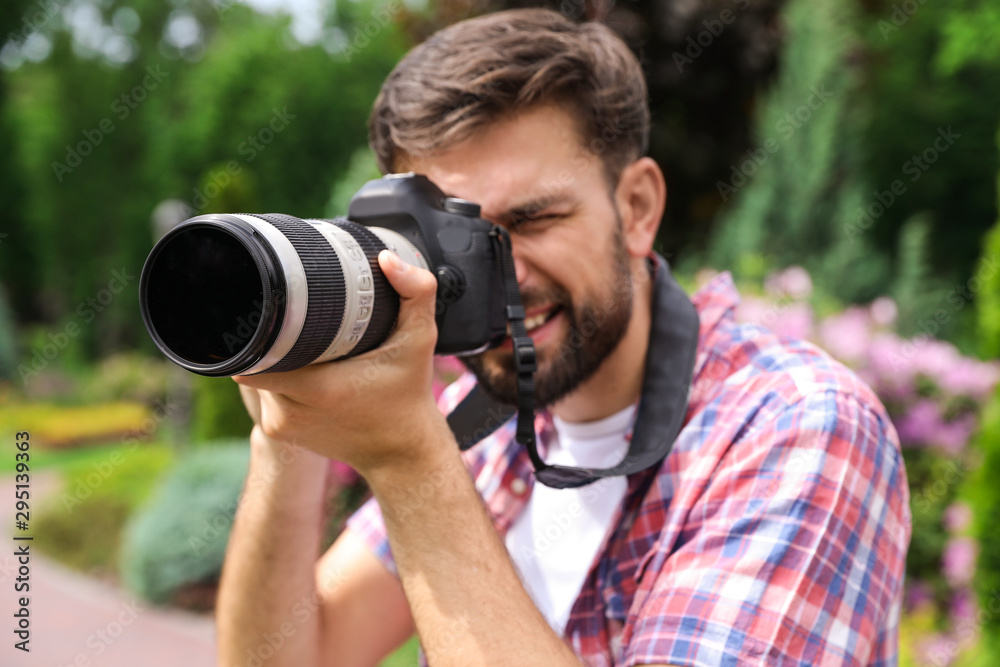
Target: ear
{"x":641,"y":196}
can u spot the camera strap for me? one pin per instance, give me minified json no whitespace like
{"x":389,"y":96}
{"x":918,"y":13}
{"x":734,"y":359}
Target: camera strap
{"x":670,"y":360}
{"x":525,"y":362}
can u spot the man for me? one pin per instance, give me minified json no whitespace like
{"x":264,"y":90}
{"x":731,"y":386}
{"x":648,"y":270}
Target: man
{"x":773,"y":532}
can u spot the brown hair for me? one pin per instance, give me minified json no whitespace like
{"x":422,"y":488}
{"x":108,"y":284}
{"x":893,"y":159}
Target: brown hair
{"x":475,"y":72}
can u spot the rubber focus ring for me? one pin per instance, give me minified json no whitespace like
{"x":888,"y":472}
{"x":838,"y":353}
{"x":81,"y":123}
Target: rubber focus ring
{"x":325,"y":287}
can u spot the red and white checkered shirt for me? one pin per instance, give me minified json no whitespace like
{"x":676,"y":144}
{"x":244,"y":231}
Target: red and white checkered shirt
{"x":773,"y":533}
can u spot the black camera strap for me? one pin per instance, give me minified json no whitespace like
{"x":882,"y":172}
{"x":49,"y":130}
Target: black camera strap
{"x":525,"y":362}
{"x":670,"y":360}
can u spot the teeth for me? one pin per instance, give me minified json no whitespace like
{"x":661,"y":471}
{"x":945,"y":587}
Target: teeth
{"x":535,"y":321}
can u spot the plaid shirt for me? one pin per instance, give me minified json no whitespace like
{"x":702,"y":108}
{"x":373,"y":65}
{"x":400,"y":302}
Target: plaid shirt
{"x":773,"y":533}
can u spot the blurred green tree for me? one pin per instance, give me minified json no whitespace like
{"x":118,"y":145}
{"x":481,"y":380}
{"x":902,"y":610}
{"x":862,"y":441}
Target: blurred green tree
{"x":149,"y":101}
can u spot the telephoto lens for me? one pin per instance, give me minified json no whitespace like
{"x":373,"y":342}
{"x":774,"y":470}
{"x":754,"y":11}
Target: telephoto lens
{"x":236,"y":294}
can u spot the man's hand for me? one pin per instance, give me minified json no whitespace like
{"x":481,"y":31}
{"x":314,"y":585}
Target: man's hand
{"x":370,"y":411}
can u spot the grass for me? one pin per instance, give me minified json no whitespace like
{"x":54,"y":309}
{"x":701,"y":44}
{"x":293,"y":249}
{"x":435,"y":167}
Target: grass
{"x":406,"y":656}
{"x":82,"y":526}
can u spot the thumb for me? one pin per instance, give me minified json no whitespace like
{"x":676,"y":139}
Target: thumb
{"x":417,"y":287}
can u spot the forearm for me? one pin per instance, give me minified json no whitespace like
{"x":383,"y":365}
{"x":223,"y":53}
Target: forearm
{"x":271,"y":558}
{"x":466,"y":598}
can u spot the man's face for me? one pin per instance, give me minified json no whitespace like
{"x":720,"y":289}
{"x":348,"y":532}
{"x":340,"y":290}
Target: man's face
{"x":532,"y":175}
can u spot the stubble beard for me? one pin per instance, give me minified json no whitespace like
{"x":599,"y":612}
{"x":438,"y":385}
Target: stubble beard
{"x":596,"y":327}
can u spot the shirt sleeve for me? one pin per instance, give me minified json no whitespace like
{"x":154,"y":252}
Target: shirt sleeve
{"x":794,"y":553}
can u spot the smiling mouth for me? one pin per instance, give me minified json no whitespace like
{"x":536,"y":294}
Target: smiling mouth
{"x":535,"y":321}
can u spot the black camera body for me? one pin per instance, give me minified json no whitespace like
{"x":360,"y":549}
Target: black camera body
{"x":459,"y":249}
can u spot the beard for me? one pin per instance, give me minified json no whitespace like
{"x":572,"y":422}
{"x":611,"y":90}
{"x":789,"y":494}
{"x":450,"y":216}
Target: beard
{"x":596,"y":327}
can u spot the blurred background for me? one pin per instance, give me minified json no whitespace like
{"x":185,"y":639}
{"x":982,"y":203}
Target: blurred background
{"x":839,"y":157}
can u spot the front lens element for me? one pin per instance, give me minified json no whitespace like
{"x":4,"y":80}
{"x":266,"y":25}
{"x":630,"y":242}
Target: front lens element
{"x":207,"y":289}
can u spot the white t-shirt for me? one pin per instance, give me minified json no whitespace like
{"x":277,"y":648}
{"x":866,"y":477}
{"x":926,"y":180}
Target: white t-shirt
{"x":554,"y":541}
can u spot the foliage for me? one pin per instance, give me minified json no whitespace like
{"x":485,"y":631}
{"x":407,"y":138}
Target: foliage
{"x":931,"y":70}
{"x":128,"y":377}
{"x":179,"y":538}
{"x":244,"y":104}
{"x":795,"y":195}
{"x":361,"y":169}
{"x":83,"y":526}
{"x":405,"y":656}
{"x":988,"y":299}
{"x":8,"y":344}
{"x":985,"y":496}
{"x":218,"y":410}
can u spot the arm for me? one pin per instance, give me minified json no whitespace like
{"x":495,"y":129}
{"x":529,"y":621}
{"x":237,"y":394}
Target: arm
{"x":271,"y":555}
{"x":463,"y":592}
{"x":275,"y":597}
{"x":468,"y":602}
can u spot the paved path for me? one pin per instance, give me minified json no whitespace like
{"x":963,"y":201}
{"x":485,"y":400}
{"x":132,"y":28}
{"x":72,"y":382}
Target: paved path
{"x":80,"y":622}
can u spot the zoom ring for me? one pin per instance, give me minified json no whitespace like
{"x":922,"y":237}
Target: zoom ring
{"x":325,"y":288}
{"x":386,"y":303}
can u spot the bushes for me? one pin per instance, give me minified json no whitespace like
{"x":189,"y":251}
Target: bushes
{"x":8,"y":344}
{"x":83,"y":527}
{"x":179,"y":538}
{"x":218,"y":410}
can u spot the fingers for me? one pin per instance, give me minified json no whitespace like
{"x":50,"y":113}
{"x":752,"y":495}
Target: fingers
{"x":417,"y":290}
{"x":411,"y":282}
{"x":415,"y":331}
{"x":251,"y":399}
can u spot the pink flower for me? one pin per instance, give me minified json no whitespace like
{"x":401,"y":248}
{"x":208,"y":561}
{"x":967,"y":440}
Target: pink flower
{"x":934,"y":357}
{"x":969,"y":377}
{"x":963,"y":607}
{"x":953,"y":436}
{"x":957,"y":517}
{"x":754,"y":310}
{"x":794,"y":321}
{"x":883,"y":311}
{"x":846,"y":335}
{"x":958,"y":562}
{"x":918,"y":594}
{"x":891,"y":366}
{"x":921,"y":424}
{"x":937,"y":650}
{"x":793,"y":282}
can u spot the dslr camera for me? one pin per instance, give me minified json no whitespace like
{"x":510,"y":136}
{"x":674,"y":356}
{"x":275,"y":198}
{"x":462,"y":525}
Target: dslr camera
{"x":239,"y":294}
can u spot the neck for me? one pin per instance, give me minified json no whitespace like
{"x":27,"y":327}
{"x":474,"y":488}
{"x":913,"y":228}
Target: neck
{"x":618,"y":382}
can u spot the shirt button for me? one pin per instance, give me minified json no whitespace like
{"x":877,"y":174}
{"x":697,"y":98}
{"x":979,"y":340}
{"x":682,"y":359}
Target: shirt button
{"x":518,"y":486}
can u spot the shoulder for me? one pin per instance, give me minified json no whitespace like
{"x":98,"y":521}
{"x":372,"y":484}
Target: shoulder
{"x":747,"y":370}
